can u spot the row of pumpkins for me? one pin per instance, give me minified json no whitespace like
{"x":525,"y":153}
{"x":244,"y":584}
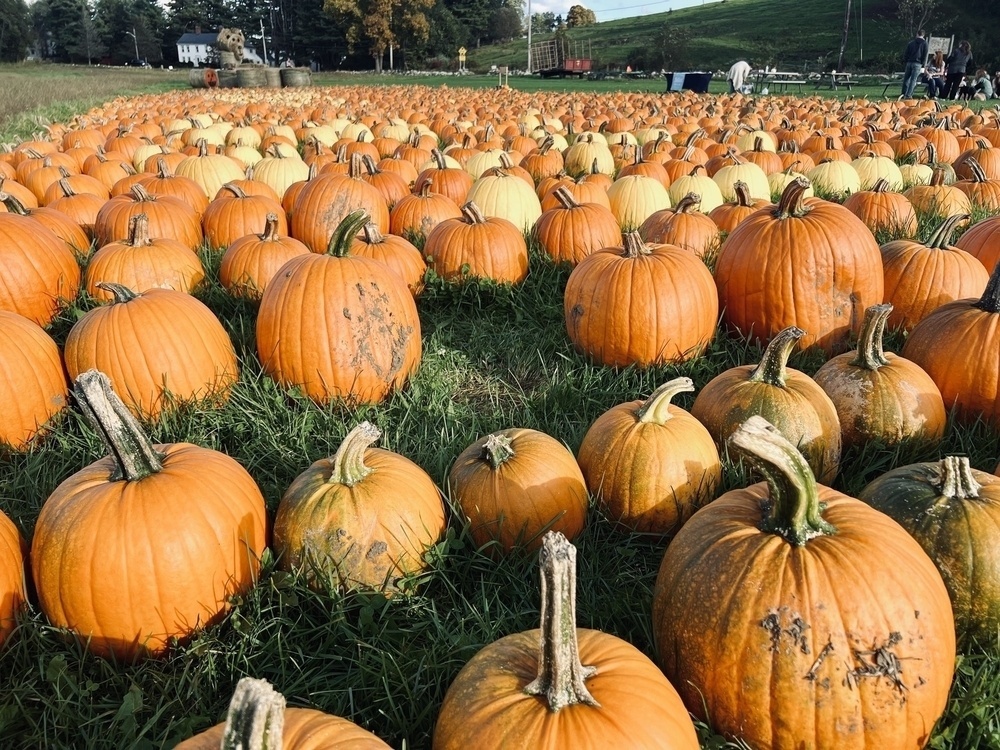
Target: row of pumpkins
{"x":880,"y":675}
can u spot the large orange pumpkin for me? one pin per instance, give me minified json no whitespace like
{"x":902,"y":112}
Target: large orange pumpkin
{"x":514,"y":485}
{"x":362,"y":519}
{"x":33,"y":385}
{"x":650,"y":464}
{"x":40,"y":273}
{"x":965,"y":331}
{"x":250,"y":262}
{"x":147,"y":544}
{"x":477,"y":246}
{"x":813,"y":265}
{"x":364,"y":341}
{"x":178,"y":351}
{"x":920,"y":277}
{"x":640,"y":304}
{"x":793,"y":616}
{"x":571,"y":231}
{"x":561,"y":686}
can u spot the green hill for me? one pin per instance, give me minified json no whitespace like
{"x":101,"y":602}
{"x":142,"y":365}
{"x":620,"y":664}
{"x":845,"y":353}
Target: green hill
{"x":790,"y":34}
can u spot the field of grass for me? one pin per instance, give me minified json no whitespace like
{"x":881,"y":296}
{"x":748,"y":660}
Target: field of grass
{"x":492,"y":358}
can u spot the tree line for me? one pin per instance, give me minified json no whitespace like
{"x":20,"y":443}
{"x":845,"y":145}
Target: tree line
{"x":332,"y":33}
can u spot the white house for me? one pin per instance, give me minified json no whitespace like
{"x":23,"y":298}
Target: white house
{"x":195,"y":49}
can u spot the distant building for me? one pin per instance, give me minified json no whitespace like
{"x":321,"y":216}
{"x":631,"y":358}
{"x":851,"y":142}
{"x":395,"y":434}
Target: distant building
{"x":196,"y":48}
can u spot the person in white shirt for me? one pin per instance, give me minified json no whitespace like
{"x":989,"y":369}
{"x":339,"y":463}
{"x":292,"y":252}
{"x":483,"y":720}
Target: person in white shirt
{"x":737,"y":76}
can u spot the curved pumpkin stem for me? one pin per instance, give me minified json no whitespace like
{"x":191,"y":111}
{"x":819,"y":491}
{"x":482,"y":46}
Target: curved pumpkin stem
{"x":956,"y":481}
{"x":941,"y":238}
{"x":771,"y":369}
{"x":497,"y":450}
{"x":792,"y":198}
{"x":346,"y":231}
{"x":561,"y":676}
{"x":881,"y":185}
{"x":794,"y":493}
{"x":121,"y":292}
{"x":634,"y":246}
{"x":140,"y":194}
{"x":990,"y":301}
{"x":270,"y":233}
{"x":372,"y":235}
{"x":135,"y":457}
{"x":13,"y":205}
{"x":656,"y":408}
{"x":565,"y":197}
{"x":870,"y":354}
{"x":256,"y":717}
{"x":473,"y":213}
{"x":978,"y":175}
{"x":349,"y":460}
{"x":688,"y":203}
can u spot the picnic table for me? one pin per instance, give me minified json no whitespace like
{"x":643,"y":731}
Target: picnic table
{"x":778,"y":80}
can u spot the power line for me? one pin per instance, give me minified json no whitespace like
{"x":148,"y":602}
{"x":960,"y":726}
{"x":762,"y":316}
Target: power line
{"x":640,"y":5}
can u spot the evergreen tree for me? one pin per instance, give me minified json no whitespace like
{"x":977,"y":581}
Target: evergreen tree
{"x":15,"y":30}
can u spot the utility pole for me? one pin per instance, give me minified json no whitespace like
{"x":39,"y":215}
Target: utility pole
{"x":529,"y":37}
{"x":136,"y":40}
{"x":263,"y":40}
{"x":843,"y":37}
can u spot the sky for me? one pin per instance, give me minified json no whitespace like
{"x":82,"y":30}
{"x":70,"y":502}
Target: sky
{"x":609,"y":10}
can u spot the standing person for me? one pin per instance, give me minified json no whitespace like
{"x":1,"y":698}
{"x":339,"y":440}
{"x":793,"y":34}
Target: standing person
{"x":935,"y":75}
{"x":959,"y":59}
{"x":996,"y":84}
{"x":737,"y":76}
{"x":913,"y":63}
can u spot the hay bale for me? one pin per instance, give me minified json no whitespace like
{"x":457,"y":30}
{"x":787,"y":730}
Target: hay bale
{"x":273,"y":78}
{"x":250,"y":78}
{"x":296,"y":77}
{"x":227,"y":79}
{"x":203,"y":78}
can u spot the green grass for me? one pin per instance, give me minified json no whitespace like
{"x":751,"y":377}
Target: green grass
{"x":493,"y":358}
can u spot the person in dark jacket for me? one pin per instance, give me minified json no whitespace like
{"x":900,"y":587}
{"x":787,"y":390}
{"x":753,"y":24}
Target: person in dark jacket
{"x":958,"y":62}
{"x":914,"y":58}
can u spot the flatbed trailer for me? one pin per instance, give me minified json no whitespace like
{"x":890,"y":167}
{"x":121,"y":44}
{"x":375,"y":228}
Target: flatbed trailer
{"x":556,"y":57}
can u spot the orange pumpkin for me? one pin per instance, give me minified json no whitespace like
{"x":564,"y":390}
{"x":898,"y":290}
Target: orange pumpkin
{"x":179,"y":352}
{"x":684,"y":226}
{"x":364,"y":344}
{"x":250,"y":262}
{"x":514,"y":485}
{"x":671,"y":311}
{"x":571,"y":231}
{"x":106,"y":534}
{"x":813,"y":265}
{"x":561,"y":686}
{"x":362,"y":519}
{"x":793,"y":616}
{"x":476,"y":246}
{"x":650,"y":464}
{"x":13,"y":587}
{"x":789,"y":399}
{"x":258,"y":718}
{"x":879,"y":395}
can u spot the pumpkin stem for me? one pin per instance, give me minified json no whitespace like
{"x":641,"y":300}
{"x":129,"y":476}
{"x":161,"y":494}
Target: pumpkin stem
{"x":978,"y":175}
{"x":990,"y":301}
{"x":742,"y":191}
{"x":497,"y":450}
{"x":372,"y":235}
{"x":140,"y":194}
{"x":270,"y":228}
{"x":561,"y":676}
{"x":565,"y":197}
{"x":138,"y":231}
{"x":349,"y":460}
{"x":794,"y":494}
{"x":941,"y":238}
{"x":256,"y":717}
{"x":870,"y":354}
{"x":135,"y":457}
{"x":656,"y":408}
{"x":13,"y":205}
{"x":346,"y":231}
{"x":791,"y":201}
{"x":956,"y":480}
{"x":688,"y":203}
{"x":121,"y":292}
{"x":771,"y":369}
{"x":633,"y":245}
{"x":473,"y":213}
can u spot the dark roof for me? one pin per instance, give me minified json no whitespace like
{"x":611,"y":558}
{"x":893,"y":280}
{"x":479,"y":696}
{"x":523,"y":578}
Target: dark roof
{"x":190,"y":38}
